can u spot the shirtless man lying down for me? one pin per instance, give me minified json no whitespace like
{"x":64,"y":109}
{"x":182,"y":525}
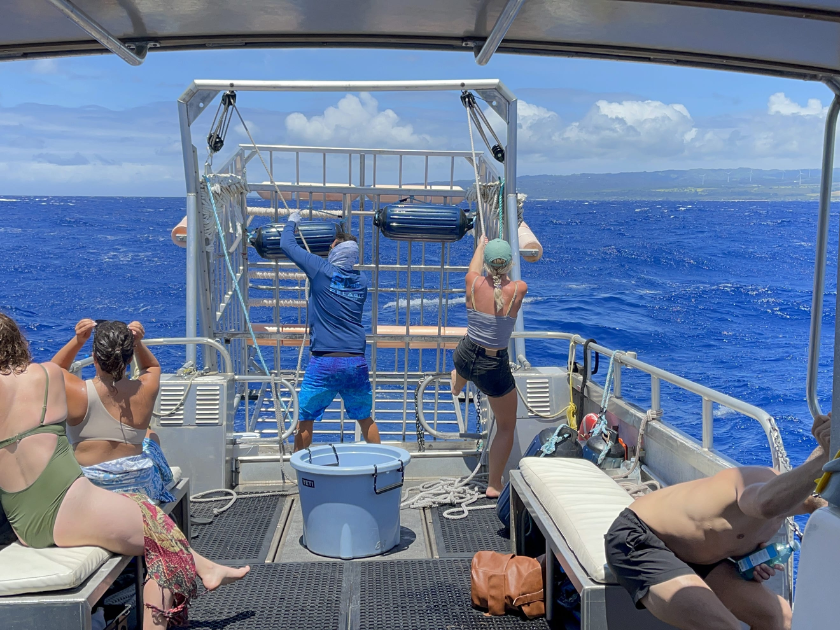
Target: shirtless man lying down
{"x":671,"y":549}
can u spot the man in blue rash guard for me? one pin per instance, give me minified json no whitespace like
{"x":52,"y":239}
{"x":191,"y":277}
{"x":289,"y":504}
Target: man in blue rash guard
{"x":337,"y":340}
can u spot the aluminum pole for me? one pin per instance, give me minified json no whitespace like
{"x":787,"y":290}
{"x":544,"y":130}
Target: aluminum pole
{"x":97,"y":32}
{"x":500,"y":29}
{"x":190,"y":174}
{"x":513,"y":219}
{"x":820,"y":261}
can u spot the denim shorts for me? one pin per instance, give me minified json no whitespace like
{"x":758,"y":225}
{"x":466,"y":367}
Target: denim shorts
{"x":490,"y":374}
{"x":327,"y":377}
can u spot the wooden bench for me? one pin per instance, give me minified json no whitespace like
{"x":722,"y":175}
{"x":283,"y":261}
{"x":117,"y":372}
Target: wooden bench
{"x":57,"y":587}
{"x":573,"y":503}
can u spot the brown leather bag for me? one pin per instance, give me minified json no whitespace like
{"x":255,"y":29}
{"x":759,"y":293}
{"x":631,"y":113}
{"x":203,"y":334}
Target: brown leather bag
{"x":503,"y":581}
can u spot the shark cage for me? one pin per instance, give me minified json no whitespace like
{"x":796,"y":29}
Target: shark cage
{"x":413,"y":215}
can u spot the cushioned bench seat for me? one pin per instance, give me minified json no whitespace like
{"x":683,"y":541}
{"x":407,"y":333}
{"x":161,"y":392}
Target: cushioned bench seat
{"x":25,"y":570}
{"x":582,"y":502}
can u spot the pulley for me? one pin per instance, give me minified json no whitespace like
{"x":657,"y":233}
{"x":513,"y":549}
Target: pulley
{"x":480,"y":121}
{"x":221,"y":122}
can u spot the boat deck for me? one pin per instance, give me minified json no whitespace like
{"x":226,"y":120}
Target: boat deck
{"x":423,"y":583}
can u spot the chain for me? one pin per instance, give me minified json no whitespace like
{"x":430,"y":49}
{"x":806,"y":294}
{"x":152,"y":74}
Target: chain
{"x":421,"y":437}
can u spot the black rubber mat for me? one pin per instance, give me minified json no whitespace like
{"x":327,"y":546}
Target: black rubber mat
{"x":425,"y":595}
{"x":292,"y":596}
{"x":462,"y":538}
{"x":240,"y":535}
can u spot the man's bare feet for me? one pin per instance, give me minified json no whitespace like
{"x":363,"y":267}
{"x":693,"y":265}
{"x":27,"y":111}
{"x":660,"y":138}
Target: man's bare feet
{"x":219,"y":575}
{"x":492,"y":493}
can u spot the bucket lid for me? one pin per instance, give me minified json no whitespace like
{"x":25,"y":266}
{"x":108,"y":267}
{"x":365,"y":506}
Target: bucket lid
{"x":327,"y":454}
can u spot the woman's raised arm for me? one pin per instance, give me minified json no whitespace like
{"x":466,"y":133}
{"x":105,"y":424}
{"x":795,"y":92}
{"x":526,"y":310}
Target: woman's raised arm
{"x":67,"y":354}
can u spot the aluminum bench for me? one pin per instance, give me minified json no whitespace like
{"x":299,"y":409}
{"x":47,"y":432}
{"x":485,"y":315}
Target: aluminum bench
{"x":58,"y":587}
{"x":573,"y":503}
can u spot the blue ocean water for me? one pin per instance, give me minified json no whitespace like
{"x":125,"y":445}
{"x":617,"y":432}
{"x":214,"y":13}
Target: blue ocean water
{"x":717,"y":292}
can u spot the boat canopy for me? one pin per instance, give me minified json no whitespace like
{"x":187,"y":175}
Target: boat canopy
{"x":795,"y":38}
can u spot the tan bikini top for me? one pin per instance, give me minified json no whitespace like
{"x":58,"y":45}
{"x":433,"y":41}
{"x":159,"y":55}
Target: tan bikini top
{"x":99,"y":424}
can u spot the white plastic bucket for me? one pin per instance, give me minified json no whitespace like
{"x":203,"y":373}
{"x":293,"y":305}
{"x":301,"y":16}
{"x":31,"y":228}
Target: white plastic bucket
{"x":350,"y":498}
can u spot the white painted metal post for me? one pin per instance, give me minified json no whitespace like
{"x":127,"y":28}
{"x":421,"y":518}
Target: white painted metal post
{"x":820,"y":259}
{"x":655,"y":405}
{"x":708,"y":424}
{"x":190,"y":169}
{"x":513,"y":218}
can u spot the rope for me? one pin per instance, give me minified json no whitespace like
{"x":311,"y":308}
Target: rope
{"x":232,"y":497}
{"x":633,"y":488}
{"x":190,"y":374}
{"x":475,"y":170}
{"x":569,"y":409}
{"x":501,"y":206}
{"x":458,"y":491}
{"x":280,"y":422}
{"x":306,"y":288}
{"x":601,"y":426}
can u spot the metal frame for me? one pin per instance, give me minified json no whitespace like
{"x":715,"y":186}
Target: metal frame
{"x":820,"y":260}
{"x":198,"y":96}
{"x":500,"y":29}
{"x":94,"y":29}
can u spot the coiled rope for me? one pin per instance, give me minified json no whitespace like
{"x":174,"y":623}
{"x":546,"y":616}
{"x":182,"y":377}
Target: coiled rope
{"x":231,"y":496}
{"x":633,"y":488}
{"x":461,"y":492}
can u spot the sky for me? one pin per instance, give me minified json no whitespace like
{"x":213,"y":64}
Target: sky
{"x":97,"y":126}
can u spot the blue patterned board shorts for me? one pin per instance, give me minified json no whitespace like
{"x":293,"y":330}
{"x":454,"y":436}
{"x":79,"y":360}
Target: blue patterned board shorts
{"x":327,"y":376}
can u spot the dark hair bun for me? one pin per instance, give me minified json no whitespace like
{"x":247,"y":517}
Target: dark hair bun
{"x":113,"y":348}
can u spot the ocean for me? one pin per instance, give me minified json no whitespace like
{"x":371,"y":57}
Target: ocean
{"x":716,"y":292}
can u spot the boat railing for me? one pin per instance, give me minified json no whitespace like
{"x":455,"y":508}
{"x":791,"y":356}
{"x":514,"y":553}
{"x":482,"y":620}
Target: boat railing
{"x":396,"y":394}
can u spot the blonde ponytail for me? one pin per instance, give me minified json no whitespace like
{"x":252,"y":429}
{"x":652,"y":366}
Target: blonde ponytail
{"x":497,"y":292}
{"x":498,"y":273}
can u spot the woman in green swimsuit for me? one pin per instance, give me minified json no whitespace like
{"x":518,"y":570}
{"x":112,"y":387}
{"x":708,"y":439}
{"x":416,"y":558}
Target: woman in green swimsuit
{"x":49,"y":502}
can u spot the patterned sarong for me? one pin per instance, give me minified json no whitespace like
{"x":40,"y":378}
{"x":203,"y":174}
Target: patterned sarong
{"x":147,"y":473}
{"x":168,"y":560}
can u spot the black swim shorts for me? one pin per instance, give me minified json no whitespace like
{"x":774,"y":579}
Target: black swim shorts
{"x":490,"y":374}
{"x":639,"y":559}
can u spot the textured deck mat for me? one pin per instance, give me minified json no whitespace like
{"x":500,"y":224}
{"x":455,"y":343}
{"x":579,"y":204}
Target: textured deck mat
{"x":480,"y":531}
{"x":293,"y":596}
{"x":426,"y":594}
{"x":240,"y":535}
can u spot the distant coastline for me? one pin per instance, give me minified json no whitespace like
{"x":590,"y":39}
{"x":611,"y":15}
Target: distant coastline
{"x":742,"y":184}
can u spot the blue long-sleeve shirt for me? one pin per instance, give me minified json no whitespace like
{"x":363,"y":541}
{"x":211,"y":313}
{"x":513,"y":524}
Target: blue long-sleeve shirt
{"x":336,"y":301}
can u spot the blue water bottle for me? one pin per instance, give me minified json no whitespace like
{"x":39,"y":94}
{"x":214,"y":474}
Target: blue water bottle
{"x":777,"y":553}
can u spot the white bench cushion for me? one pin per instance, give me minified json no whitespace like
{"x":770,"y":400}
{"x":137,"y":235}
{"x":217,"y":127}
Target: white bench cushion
{"x":582,"y":501}
{"x":176,"y":477}
{"x":26,"y":570}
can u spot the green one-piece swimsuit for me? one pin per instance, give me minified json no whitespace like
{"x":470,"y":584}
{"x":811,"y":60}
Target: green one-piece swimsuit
{"x":33,"y":510}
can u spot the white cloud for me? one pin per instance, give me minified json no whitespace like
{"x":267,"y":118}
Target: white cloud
{"x":45,"y":66}
{"x":252,"y":127}
{"x":626,"y":128}
{"x":355,"y":121}
{"x":778,"y":103}
{"x":631,"y":135}
{"x":48,"y":150}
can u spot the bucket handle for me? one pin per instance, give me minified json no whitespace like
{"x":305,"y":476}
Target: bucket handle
{"x":393,"y":486}
{"x":334,"y":453}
